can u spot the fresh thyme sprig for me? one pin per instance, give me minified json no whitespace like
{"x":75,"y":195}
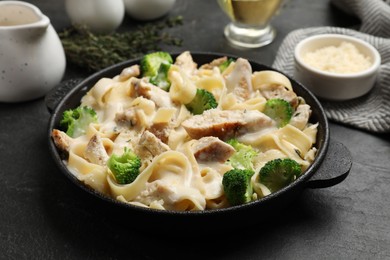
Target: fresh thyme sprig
{"x":95,"y":52}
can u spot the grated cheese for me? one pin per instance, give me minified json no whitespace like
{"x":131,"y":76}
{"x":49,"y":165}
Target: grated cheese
{"x":342,"y":59}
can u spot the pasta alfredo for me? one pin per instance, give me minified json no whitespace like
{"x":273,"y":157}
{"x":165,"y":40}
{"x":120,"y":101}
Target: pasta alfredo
{"x":182,"y":161}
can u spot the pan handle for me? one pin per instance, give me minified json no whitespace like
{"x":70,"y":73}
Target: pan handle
{"x":54,"y":96}
{"x":335,"y":167}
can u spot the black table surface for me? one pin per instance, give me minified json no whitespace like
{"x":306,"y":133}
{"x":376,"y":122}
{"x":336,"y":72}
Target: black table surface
{"x":44,"y":216}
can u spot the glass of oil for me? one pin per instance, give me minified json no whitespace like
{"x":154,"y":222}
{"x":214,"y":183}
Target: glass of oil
{"x":250,"y":21}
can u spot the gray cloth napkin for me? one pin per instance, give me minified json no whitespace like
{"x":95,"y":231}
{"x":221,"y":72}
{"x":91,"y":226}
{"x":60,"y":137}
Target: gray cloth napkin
{"x":370,"y":112}
{"x":374,"y":14}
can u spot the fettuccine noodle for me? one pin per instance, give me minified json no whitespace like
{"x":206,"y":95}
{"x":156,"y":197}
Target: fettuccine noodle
{"x":137,"y":115}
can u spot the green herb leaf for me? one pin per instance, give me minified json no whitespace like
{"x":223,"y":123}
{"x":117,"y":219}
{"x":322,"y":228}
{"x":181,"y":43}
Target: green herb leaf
{"x":95,"y":52}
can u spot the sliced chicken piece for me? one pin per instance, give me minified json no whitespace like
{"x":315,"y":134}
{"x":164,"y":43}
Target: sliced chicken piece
{"x":279,"y":91}
{"x":61,"y":140}
{"x":186,"y":63}
{"x":127,"y":118}
{"x":95,"y":151}
{"x":155,"y":192}
{"x":211,"y":148}
{"x":239,"y":80}
{"x":160,"y":97}
{"x":150,"y":146}
{"x":225,"y":124}
{"x":137,"y":116}
{"x":171,"y":196}
{"x":301,"y":116}
{"x":161,"y":131}
{"x":214,"y":63}
{"x":132,"y":71}
{"x":163,"y":122}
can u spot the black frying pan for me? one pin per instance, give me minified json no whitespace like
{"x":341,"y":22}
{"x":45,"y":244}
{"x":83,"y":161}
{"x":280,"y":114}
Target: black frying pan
{"x":331,"y":165}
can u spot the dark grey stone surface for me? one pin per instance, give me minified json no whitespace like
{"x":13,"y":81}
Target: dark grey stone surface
{"x":44,"y":216}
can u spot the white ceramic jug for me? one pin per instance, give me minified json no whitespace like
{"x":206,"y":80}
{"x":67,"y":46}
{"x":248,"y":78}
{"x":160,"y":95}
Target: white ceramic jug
{"x":100,"y":16}
{"x":32,"y":59}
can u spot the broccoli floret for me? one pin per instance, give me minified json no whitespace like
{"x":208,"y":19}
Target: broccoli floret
{"x":279,"y":110}
{"x":242,"y":158}
{"x":76,"y":121}
{"x":161,"y":79}
{"x":222,"y":67}
{"x":279,"y":173}
{"x":237,"y":186}
{"x":156,"y":66}
{"x":124,"y":167}
{"x":150,"y":63}
{"x":203,"y":100}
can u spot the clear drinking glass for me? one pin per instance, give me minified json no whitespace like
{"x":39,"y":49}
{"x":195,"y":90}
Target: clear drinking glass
{"x":250,"y":21}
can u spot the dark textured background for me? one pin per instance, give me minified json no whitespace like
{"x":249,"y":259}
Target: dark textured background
{"x":43,"y":216}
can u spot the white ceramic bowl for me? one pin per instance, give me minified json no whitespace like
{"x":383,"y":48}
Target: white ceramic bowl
{"x":331,"y":85}
{"x":145,"y":10}
{"x":100,"y":16}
